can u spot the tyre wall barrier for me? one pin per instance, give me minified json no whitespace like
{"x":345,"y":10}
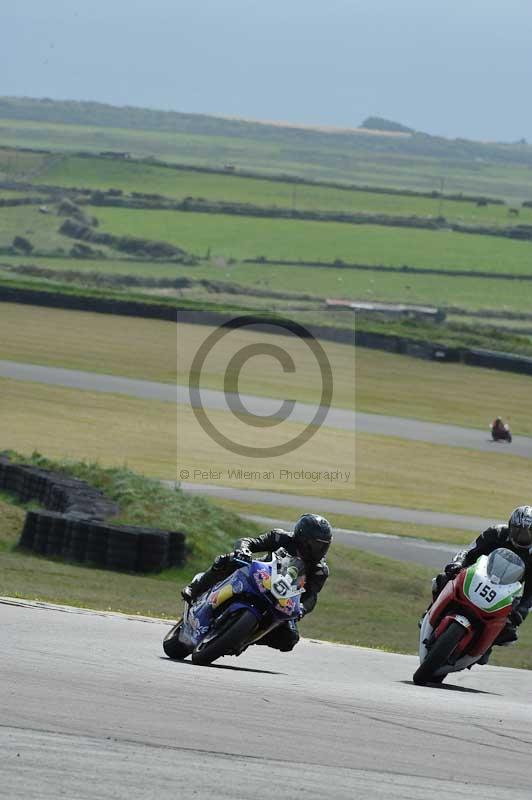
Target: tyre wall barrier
{"x":74,"y":525}
{"x":102,"y":305}
{"x":393,"y":343}
{"x":494,"y":360}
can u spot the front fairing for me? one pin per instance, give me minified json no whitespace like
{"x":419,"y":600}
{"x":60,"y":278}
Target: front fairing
{"x":199,"y":617}
{"x":263,"y":574}
{"x":478,"y":601}
{"x":250,"y":586}
{"x":484,"y":593}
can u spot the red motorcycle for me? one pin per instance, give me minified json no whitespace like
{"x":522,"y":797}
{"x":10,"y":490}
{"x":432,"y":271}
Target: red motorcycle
{"x":468,"y":615}
{"x":500,"y":431}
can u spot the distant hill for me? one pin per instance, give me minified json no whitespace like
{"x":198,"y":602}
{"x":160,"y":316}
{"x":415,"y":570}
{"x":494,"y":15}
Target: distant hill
{"x":381,"y":124}
{"x":362,"y":156}
{"x":70,"y":112}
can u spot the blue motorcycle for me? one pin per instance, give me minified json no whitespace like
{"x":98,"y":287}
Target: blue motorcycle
{"x":239,"y":610}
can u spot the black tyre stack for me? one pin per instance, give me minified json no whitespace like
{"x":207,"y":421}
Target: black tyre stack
{"x":96,"y":551}
{"x":122,"y":548}
{"x":74,"y":528}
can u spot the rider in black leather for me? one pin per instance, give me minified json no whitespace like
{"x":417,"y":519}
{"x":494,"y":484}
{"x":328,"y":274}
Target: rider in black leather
{"x":517,"y":537}
{"x":310,"y":541}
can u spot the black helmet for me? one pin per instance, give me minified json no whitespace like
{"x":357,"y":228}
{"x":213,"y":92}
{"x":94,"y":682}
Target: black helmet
{"x":520,"y":525}
{"x":312,"y":535}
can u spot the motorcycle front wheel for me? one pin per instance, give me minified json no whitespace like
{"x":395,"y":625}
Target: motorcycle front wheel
{"x":233,"y":633}
{"x":172,"y":646}
{"x":438,"y":655}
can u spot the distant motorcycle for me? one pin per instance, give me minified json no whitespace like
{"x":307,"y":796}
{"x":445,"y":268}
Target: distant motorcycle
{"x":239,"y":610}
{"x":501,"y":433}
{"x":468,"y":615}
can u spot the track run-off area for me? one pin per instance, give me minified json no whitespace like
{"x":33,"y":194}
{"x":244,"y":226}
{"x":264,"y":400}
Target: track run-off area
{"x":91,"y":708}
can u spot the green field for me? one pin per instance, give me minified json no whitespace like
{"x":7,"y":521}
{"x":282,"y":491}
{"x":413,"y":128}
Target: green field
{"x":360,"y":159}
{"x":40,"y":229}
{"x":449,"y":291}
{"x":244,"y":237}
{"x":371,"y":285}
{"x":12,"y":193}
{"x":14,"y":163}
{"x":94,"y":173}
{"x":104,"y":266}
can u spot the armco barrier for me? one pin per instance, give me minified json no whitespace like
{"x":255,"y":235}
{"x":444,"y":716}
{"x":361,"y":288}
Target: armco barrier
{"x":74,"y":525}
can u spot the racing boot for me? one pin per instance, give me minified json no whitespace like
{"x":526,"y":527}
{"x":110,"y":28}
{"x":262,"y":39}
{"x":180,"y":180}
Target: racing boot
{"x":508,"y":635}
{"x":196,"y":587}
{"x":486,"y":657}
{"x":222,"y":567}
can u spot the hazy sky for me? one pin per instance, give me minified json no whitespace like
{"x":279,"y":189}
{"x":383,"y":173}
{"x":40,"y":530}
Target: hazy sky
{"x":449,"y":67}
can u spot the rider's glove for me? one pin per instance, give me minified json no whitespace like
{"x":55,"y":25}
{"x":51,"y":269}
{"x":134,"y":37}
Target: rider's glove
{"x":452,"y":569}
{"x":515,"y":617}
{"x":243,"y":555}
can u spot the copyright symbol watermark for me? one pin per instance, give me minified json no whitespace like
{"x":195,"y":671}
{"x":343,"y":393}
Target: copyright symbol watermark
{"x":233,"y":397}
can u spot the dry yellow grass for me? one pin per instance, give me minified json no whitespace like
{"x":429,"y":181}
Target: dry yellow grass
{"x":263,"y":374}
{"x":159,"y":351}
{"x":129,"y":346}
{"x":152,"y":438}
{"x":452,"y":393}
{"x":202,"y":460}
{"x":110,"y":429}
{"x":388,"y":470}
{"x":418,"y":475}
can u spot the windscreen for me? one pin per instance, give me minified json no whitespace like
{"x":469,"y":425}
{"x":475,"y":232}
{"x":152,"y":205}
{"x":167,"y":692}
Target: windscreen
{"x":288,"y":576}
{"x":504,"y":566}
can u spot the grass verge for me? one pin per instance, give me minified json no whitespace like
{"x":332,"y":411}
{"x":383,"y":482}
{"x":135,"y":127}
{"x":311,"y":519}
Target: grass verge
{"x":142,"y":501}
{"x":12,"y":516}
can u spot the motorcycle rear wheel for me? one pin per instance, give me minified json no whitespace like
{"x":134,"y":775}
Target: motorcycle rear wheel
{"x":173,"y":648}
{"x":231,"y":636}
{"x":438,"y":655}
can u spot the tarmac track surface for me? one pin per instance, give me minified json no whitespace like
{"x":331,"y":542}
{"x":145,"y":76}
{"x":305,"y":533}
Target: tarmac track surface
{"x":325,"y":505}
{"x":92,"y":709}
{"x":435,"y":433}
